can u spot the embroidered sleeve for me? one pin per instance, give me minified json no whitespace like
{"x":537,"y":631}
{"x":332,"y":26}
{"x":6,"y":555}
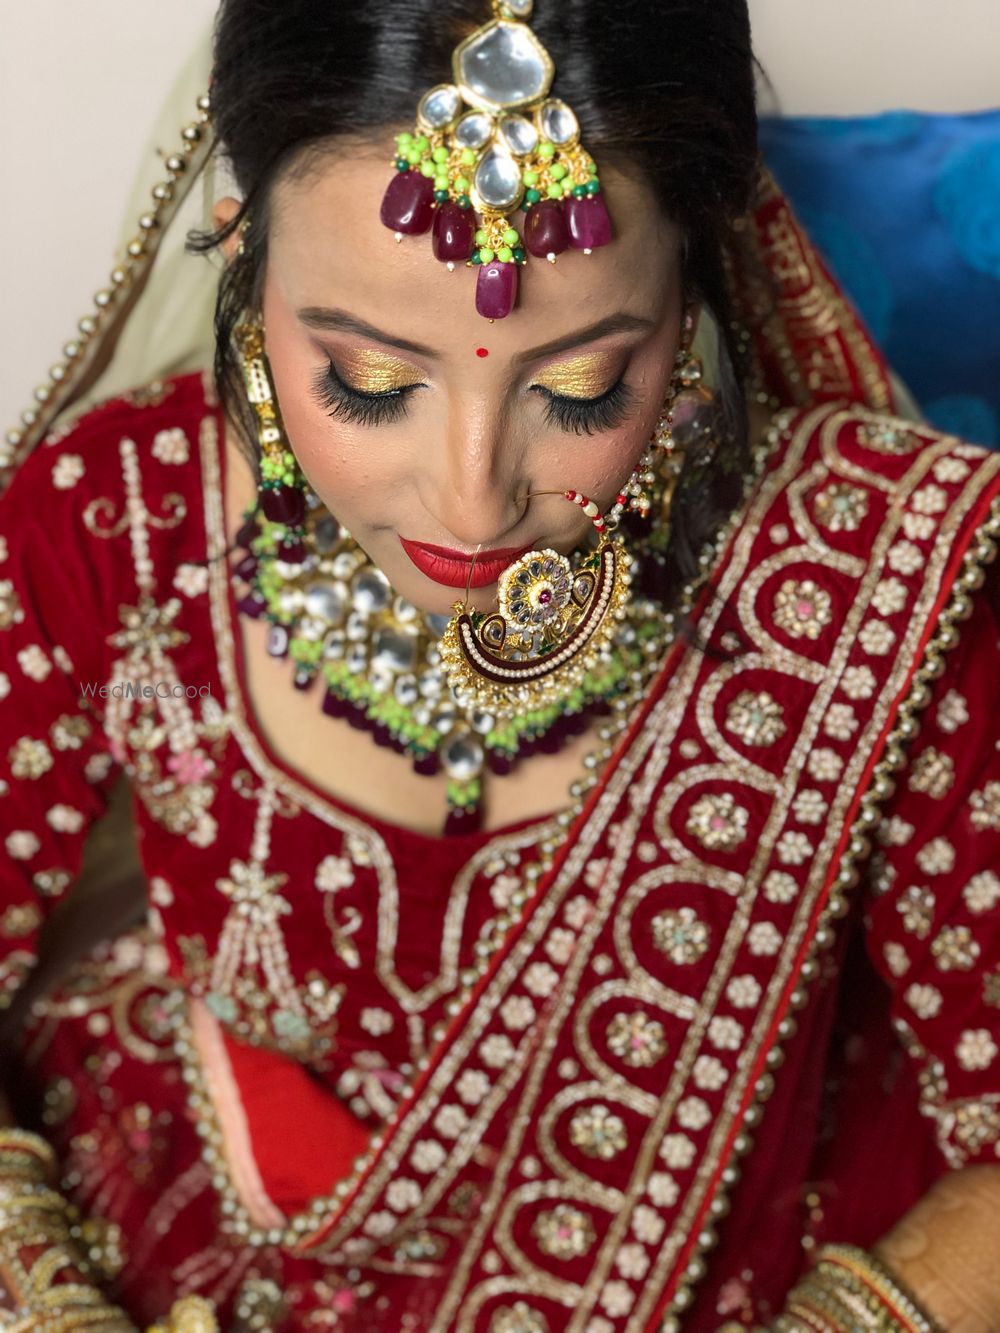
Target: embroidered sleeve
{"x":933,"y":917}
{"x":56,"y":772}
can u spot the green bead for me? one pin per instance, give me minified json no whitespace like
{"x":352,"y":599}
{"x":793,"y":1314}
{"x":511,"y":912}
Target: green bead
{"x":485,"y":254}
{"x":510,"y":236}
{"x":594,"y":187}
{"x":468,"y":157}
{"x":531,"y":196}
{"x":405,"y":139}
{"x":440,"y":154}
{"x":555,"y":190}
{"x":402,"y":164}
{"x":422,"y":143}
{"x":464,"y":201}
{"x":557,"y":171}
{"x":413,"y":157}
{"x":579,"y":191}
{"x":519,"y":255}
{"x":530,"y":177}
{"x":441,"y":196}
{"x":427,"y":169}
{"x":440,"y":182}
{"x":546,"y":149}
{"x":505,"y":253}
{"x":481,"y":237}
{"x":461,"y":184}
{"x":476,"y":257}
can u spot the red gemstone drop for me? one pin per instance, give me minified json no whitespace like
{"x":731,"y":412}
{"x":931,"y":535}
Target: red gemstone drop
{"x":545,"y":230}
{"x":452,"y":234}
{"x":496,"y":289}
{"x":408,"y":203}
{"x":588,"y":221}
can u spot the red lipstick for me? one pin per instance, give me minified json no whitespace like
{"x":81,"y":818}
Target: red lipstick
{"x":452,"y":568}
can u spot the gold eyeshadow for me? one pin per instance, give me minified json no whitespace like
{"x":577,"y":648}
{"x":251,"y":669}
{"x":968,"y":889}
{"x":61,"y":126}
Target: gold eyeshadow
{"x":371,"y":371}
{"x":586,"y":376}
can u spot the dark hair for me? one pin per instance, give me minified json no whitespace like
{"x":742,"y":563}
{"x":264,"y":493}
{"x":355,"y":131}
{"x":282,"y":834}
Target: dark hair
{"x":665,"y":84}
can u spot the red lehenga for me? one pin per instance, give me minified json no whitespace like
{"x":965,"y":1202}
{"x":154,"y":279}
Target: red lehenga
{"x":753,"y":1006}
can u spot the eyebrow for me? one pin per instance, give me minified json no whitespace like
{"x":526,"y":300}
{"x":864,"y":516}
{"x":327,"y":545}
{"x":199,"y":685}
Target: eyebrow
{"x":340,"y":321}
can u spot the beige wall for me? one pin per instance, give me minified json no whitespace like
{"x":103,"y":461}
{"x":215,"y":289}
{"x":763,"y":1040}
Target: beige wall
{"x":80,"y":82}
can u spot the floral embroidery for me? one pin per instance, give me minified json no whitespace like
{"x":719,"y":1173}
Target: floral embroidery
{"x":954,"y":948}
{"x":647,"y":1224}
{"x":764,"y":939}
{"x":693,"y":1113}
{"x":427,"y":1155}
{"x":809,"y":807}
{"x":876,"y":638}
{"x":171,"y":446}
{"x":34,"y":663}
{"x":64,"y":819}
{"x":632,"y":1262}
{"x":540,"y":979}
{"x":497,"y":1050}
{"x":20,"y":921}
{"x":937,"y":858}
{"x":617,"y":1298}
{"x":560,"y":945}
{"x":977,"y":1124}
{"x":450,"y":1121}
{"x":976,"y":1049}
{"x":743,"y":992}
{"x":21,"y":844}
{"x":916,"y":907}
{"x":986,"y":808}
{"x":918,"y":527}
{"x":677,"y":1151}
{"x":896,"y":958}
{"x":663,"y":1189}
{"x":950,"y":470}
{"x":718,"y":822}
{"x":681,"y":934}
{"x":709,"y":1073}
{"x":841,"y":508}
{"x":952,"y":712}
{"x":840,"y":722}
{"x":859,"y":682}
{"x":924,"y":1000}
{"x":598,"y":1132}
{"x":517,"y":1012}
{"x":637,"y":1039}
{"x":889,"y":597}
{"x":889,"y":437}
{"x":725,"y":1033}
{"x":29,"y":758}
{"x":780,"y":887}
{"x":11,"y":611}
{"x":825,"y":764}
{"x":929,"y":500}
{"x":69,"y":731}
{"x":933,"y":774}
{"x":564,"y":1233}
{"x":895,"y":832}
{"x":67,"y":471}
{"x":755,"y":718}
{"x":982,"y":893}
{"x":802,"y":609}
{"x":403,"y":1194}
{"x":794,"y":848}
{"x":376,"y":1021}
{"x":192,"y":580}
{"x":905,"y":558}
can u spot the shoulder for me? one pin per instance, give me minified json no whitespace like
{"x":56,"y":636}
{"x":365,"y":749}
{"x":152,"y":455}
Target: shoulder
{"x":157,"y":426}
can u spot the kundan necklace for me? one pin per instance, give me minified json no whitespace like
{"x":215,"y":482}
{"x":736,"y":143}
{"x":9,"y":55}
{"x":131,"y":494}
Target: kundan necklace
{"x":335,"y":616}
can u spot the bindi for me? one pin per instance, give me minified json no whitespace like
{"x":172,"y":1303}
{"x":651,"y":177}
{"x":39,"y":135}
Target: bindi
{"x":481,"y":351}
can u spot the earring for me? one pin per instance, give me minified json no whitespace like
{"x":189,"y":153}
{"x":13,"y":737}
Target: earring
{"x":281,"y":491}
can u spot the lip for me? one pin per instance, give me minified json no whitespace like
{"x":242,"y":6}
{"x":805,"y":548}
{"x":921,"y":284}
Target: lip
{"x":455,"y":569}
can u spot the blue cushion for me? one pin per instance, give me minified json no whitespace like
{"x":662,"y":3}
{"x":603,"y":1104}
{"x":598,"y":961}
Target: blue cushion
{"x":905,"y":207}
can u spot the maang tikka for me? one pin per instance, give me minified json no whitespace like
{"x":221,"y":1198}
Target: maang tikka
{"x":486,"y":144}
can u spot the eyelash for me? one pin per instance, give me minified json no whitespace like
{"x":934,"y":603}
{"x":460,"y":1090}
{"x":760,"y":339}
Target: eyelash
{"x":580,"y":416}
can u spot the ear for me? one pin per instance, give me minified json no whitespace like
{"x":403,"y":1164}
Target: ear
{"x":223,"y":212}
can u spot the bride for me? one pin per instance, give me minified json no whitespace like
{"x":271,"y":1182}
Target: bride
{"x":500,"y":779}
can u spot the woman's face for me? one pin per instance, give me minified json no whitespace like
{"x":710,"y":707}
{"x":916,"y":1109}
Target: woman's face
{"x":416,"y":420}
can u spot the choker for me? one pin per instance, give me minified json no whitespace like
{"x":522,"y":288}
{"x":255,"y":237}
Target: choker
{"x":334,"y":615}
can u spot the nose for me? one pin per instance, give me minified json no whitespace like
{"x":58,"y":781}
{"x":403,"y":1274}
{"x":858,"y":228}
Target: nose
{"x":475,"y":488}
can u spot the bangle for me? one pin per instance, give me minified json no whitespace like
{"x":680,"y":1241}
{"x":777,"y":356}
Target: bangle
{"x":848,"y":1290}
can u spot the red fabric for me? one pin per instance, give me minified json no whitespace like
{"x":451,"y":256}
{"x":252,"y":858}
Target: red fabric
{"x":848,"y":1120}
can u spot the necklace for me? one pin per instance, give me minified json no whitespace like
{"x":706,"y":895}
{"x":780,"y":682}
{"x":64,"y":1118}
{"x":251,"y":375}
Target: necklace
{"x":335,"y":616}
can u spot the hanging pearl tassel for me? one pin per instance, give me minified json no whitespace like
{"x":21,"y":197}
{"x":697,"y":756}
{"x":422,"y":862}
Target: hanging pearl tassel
{"x":589,"y":507}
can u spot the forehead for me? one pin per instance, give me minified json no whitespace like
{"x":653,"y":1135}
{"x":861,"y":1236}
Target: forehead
{"x":328,"y":246}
